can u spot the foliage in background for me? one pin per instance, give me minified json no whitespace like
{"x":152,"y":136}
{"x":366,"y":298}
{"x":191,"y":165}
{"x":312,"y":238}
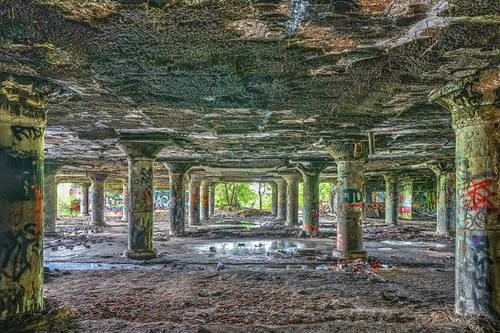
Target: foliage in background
{"x":246,"y":195}
{"x":64,"y":202}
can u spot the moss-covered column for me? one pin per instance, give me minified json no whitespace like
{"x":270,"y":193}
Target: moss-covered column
{"x":125,"y":199}
{"x":177,"y":210}
{"x":98,"y":197}
{"x":281,"y":199}
{"x":274,"y":198}
{"x":332,"y":197}
{"x":141,"y":157}
{"x":310,"y":206}
{"x":350,"y":159}
{"x":211,"y":199}
{"x":476,"y":119}
{"x":443,"y":225}
{"x":292,"y":191}
{"x":84,"y":199}
{"x":204,"y":194}
{"x":22,"y":125}
{"x":50,"y":199}
{"x":194,"y":199}
{"x":391,"y":198}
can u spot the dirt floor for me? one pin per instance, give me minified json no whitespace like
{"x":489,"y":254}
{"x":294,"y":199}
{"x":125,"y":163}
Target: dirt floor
{"x":270,"y":281}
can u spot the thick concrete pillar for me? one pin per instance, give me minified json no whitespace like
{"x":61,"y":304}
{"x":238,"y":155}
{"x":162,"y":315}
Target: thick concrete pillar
{"x":84,"y":199}
{"x":274,"y":198}
{"x":292,"y":191}
{"x":98,"y":197}
{"x":443,"y":222}
{"x":177,"y":197}
{"x":350,"y":159}
{"x":332,"y":197}
{"x":281,"y":199}
{"x":211,"y":199}
{"x":126,"y":199}
{"x":204,"y":194}
{"x":22,"y":125}
{"x":50,"y":198}
{"x":310,"y":206}
{"x":391,"y":198}
{"x":194,"y":199}
{"x":141,"y":157}
{"x":476,"y":119}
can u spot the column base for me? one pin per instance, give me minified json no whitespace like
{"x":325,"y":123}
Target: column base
{"x":350,"y":255}
{"x":140,"y":255}
{"x":100,"y":224}
{"x":83,"y":214}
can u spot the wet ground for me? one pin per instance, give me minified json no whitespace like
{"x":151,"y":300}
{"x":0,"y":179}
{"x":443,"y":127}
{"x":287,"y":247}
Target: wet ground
{"x":270,"y":281}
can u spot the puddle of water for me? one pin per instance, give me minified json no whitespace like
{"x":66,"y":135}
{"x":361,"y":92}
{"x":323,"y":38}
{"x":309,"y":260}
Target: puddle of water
{"x":251,"y":248}
{"x":403,"y":243}
{"x":385,"y":249}
{"x":87,"y":265}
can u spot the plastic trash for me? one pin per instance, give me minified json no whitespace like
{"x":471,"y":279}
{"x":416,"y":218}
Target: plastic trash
{"x":221,"y":266}
{"x":321,"y":267}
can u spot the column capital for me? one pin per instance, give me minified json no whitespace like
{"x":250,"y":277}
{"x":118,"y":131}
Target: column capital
{"x":442,"y":168}
{"x":196,"y":177}
{"x":348,"y":151}
{"x":51,"y":168}
{"x":470,"y":101}
{"x":98,"y":176}
{"x":140,"y":150}
{"x":311,"y":168}
{"x":178,"y":167}
{"x":390,"y":176}
{"x":292,"y":178}
{"x":206,"y":181}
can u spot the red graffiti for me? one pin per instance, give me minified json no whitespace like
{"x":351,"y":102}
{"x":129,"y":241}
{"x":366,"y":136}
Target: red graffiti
{"x":314,"y":212}
{"x":150,"y":194}
{"x":340,"y":240}
{"x":353,"y":205}
{"x":404,"y":209}
{"x":310,"y":228}
{"x":477,"y":199}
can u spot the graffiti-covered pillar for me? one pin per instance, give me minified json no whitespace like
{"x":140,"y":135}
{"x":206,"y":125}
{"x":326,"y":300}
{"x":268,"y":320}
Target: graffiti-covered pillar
{"x":292,"y":191}
{"x":141,"y":157}
{"x":310,"y":205}
{"x":332,"y":197}
{"x":84,"y":199}
{"x":98,"y":197}
{"x":274,"y":198}
{"x":443,"y":225}
{"x":350,"y":158}
{"x":281,"y":199}
{"x":125,"y":199}
{"x":391,"y":198}
{"x":211,"y":199}
{"x":50,"y":198}
{"x":194,"y":199}
{"x":204,"y":196}
{"x":177,"y":210}
{"x":22,"y":125}
{"x":476,"y":119}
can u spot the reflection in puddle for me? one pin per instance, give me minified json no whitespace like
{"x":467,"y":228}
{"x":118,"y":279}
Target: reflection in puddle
{"x":251,"y":248}
{"x":86,"y":265}
{"x":402,"y":243}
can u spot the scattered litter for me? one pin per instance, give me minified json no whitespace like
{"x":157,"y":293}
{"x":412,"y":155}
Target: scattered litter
{"x":212,"y":249}
{"x":221,"y":266}
{"x":431,"y":249}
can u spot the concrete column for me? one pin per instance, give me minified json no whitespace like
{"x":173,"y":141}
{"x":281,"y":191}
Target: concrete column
{"x":204,"y":193}
{"x":391,"y":198}
{"x":310,"y":206}
{"x":98,"y":198}
{"x":332,"y":196}
{"x":211,"y":199}
{"x":350,"y":159}
{"x":476,"y":119}
{"x":292,"y":190}
{"x":281,"y":199}
{"x":126,"y":199}
{"x":50,"y":199}
{"x":443,"y":225}
{"x":194,"y":199}
{"x":22,"y":125}
{"x":84,"y":199}
{"x":177,"y":197}
{"x":141,"y":157}
{"x":274,"y":198}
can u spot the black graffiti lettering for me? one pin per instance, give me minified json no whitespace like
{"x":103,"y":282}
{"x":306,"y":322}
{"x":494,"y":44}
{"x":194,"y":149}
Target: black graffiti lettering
{"x":146,"y":176}
{"x":352,"y":196}
{"x":30,"y":133}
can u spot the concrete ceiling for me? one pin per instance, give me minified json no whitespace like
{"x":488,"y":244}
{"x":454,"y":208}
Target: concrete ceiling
{"x":246,"y":84}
